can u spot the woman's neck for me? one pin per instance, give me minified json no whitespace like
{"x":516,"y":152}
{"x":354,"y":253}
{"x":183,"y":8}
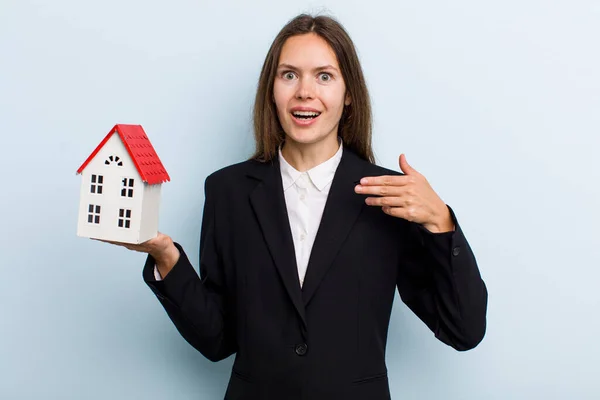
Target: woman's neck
{"x":304,"y":156}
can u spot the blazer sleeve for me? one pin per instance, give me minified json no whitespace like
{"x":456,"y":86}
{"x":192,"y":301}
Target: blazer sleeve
{"x":440,"y":282}
{"x":199,"y":306}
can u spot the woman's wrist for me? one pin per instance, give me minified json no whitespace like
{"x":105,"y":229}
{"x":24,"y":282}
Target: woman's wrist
{"x":443,"y":223}
{"x":166,"y":258}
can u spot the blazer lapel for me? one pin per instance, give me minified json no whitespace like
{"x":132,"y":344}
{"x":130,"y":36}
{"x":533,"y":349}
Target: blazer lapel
{"x":341,"y":211}
{"x":268,"y":202}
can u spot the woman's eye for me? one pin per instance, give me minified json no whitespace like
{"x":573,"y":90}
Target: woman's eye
{"x":288,"y":75}
{"x":325,"y":77}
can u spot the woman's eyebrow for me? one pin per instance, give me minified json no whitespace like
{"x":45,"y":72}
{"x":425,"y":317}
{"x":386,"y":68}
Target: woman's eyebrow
{"x":322,"y":68}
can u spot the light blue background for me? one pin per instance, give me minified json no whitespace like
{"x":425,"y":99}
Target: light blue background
{"x":496,"y":103}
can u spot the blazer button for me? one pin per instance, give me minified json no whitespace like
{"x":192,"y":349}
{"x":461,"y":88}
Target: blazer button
{"x":456,"y":251}
{"x":301,"y":349}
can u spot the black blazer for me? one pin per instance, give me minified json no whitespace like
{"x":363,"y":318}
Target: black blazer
{"x":326,"y":340}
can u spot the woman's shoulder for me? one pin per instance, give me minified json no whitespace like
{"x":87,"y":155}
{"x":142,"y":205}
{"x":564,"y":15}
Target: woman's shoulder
{"x":234,"y":169}
{"x":232,"y":174}
{"x":377,"y":170}
{"x":367,"y":167}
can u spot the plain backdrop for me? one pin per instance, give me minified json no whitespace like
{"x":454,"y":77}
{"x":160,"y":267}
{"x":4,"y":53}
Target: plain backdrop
{"x":496,"y":103}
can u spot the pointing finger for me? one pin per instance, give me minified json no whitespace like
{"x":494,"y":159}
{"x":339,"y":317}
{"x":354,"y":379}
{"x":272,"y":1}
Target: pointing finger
{"x":386,"y":180}
{"x":396,"y":191}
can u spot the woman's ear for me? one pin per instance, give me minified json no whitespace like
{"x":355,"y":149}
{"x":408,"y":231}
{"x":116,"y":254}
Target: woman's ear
{"x":348,"y":99}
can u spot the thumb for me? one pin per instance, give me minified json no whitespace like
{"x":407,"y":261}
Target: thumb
{"x":405,"y":166}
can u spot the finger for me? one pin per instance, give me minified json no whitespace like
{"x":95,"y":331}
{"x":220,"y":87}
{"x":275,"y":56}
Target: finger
{"x":405,"y":166}
{"x":381,"y":190}
{"x":386,"y":180}
{"x":128,"y":246}
{"x":387,"y":201}
{"x":406,"y":213}
{"x":137,"y":248}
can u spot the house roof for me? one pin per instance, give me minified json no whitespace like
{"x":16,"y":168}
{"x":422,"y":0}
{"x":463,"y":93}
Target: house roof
{"x":140,"y":150}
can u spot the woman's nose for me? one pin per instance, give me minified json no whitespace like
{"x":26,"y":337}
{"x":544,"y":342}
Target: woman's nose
{"x":306,"y":89}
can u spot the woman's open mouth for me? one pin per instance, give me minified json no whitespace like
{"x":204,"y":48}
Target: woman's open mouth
{"x":305,"y":117}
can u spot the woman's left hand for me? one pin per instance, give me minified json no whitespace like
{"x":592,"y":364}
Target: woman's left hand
{"x":409,"y":197}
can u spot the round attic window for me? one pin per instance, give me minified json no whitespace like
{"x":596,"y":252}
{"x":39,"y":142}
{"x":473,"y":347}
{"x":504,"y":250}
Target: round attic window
{"x":113,"y":160}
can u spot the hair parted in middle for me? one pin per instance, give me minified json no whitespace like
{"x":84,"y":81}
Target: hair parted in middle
{"x":355,"y":127}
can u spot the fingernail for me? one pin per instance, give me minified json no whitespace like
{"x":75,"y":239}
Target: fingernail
{"x":364,"y":181}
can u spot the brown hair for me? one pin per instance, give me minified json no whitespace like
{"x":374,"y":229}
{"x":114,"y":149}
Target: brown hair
{"x":355,"y":126}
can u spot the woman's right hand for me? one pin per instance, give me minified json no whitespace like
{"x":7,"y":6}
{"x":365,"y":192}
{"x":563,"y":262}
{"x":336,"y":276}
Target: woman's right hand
{"x":161,"y":248}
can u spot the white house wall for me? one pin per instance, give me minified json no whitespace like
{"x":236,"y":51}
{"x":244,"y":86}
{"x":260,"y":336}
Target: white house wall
{"x":150,"y":211}
{"x":110,"y":200}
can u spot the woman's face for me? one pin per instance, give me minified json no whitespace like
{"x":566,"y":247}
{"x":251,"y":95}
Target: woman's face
{"x":309,"y":90}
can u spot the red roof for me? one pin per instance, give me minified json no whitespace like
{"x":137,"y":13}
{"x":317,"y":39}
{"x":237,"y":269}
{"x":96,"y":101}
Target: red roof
{"x":140,"y":150}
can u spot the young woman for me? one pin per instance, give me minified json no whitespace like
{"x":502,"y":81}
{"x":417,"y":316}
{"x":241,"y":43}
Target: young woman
{"x":303,"y":246}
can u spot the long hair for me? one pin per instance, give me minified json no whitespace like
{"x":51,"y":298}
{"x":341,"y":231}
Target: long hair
{"x":355,"y":127}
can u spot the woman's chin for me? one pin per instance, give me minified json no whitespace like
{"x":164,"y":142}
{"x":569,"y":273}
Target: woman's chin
{"x":309,"y":137}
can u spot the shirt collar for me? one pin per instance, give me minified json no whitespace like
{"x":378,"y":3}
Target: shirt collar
{"x":320,"y":175}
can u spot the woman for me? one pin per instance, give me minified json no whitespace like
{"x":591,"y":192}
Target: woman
{"x":303,"y":246}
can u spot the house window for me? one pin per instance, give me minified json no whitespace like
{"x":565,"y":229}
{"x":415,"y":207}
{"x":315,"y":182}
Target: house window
{"x":93,"y":214}
{"x":96,"y":185}
{"x":127,"y":188}
{"x":124,"y":218}
{"x":113,"y":160}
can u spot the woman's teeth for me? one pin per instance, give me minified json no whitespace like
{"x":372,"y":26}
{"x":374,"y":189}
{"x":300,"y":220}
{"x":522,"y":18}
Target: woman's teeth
{"x":306,"y":114}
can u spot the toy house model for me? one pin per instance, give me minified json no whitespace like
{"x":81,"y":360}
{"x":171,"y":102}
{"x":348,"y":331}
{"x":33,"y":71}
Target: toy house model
{"x":120,"y":188}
